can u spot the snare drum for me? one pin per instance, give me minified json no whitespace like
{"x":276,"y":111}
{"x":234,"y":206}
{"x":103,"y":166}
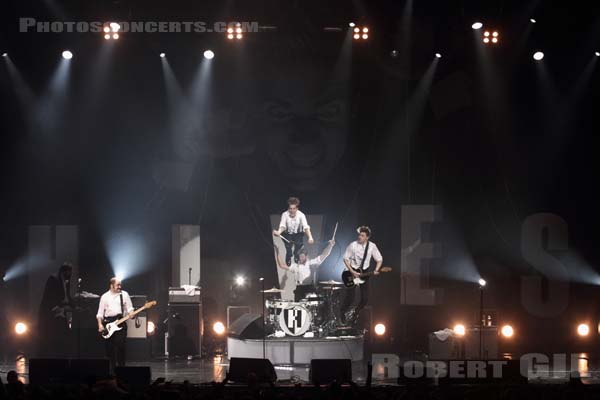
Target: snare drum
{"x":312,"y":299}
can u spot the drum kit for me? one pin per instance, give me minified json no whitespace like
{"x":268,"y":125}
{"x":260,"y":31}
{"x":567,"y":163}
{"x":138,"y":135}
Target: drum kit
{"x":316,"y":315}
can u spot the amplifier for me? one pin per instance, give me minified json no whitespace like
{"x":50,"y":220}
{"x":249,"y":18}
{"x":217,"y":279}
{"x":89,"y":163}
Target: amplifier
{"x":138,"y":301}
{"x":137,"y":326}
{"x":178,"y":295}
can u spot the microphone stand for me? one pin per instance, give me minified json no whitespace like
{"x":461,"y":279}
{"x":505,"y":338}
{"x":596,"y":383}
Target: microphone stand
{"x":263,"y":319}
{"x":77,"y":312}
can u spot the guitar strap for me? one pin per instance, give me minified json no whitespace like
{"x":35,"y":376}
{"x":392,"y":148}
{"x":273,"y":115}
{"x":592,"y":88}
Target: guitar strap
{"x":121,"y":298}
{"x":362,"y":263}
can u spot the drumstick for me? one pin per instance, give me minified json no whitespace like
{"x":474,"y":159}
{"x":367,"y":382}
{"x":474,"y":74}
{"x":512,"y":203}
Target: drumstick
{"x":284,"y":239}
{"x":334,"y":231}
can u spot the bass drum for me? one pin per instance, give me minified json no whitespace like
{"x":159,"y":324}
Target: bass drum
{"x":295,"y":319}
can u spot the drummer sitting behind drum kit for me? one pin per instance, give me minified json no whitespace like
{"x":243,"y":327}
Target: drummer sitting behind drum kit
{"x":304,"y":270}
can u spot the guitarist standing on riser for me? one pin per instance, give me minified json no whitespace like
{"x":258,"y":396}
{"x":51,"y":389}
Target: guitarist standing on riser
{"x":114,"y":304}
{"x":358,"y":256}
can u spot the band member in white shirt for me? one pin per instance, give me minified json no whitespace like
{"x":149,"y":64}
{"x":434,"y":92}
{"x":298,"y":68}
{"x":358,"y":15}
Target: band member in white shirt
{"x":114,"y":304}
{"x":293,"y":226}
{"x":358,"y":256}
{"x":304,"y":271}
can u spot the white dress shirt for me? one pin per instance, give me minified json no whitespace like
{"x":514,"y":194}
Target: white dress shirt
{"x":356,"y":251}
{"x":295,"y":224}
{"x":110,"y":304}
{"x":303,"y":272}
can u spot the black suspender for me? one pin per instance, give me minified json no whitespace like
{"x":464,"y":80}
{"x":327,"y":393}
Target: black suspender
{"x":362,"y":263}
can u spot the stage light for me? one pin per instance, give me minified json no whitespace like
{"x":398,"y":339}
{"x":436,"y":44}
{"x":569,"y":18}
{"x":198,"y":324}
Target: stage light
{"x":380,"y":329}
{"x":495,"y":34}
{"x":459,"y":330}
{"x":357,"y":33}
{"x":538,"y":56}
{"x":507,"y":331}
{"x":6,"y":54}
{"x":162,"y":55}
{"x":235,"y":33}
{"x":219,"y":328}
{"x":151,"y":328}
{"x":351,"y":24}
{"x":67,"y":55}
{"x":111,"y":27}
{"x":486,"y":33}
{"x":533,"y":21}
{"x":438,"y":55}
{"x":240,"y":280}
{"x":477,"y":25}
{"x":486,"y":40}
{"x":482,"y":282}
{"x":209,"y":54}
{"x":494,"y":40}
{"x":20,"y":328}
{"x":596,"y":53}
{"x":583,"y":329}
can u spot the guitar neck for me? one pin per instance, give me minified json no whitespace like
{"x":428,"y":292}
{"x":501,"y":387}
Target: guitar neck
{"x":133,"y":314}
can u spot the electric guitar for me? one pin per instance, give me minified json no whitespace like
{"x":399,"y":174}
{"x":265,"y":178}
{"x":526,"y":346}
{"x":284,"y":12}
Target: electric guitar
{"x":113,"y":327}
{"x":350,"y":281}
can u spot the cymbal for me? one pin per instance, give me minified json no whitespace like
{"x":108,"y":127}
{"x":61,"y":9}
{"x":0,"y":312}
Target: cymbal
{"x":273,"y":290}
{"x":330,"y":283}
{"x":331,"y":288}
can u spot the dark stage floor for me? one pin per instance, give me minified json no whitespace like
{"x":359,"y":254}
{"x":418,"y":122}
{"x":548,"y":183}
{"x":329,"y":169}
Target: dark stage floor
{"x":214,"y":369}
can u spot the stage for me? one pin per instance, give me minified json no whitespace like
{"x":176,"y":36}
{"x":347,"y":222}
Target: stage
{"x":200,"y":371}
{"x":203,"y":371}
{"x":297,"y":350}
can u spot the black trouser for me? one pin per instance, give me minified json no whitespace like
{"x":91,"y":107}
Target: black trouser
{"x":295,"y":240}
{"x":115,"y":348}
{"x":350,"y":294}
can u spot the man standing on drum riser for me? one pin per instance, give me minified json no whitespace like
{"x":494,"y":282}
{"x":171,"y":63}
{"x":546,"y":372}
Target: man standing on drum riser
{"x":292,"y":227}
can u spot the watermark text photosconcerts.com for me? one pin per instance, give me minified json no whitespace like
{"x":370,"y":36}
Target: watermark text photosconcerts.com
{"x":28,"y":25}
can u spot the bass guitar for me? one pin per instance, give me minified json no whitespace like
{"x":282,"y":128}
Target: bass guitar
{"x":351,"y":281}
{"x":114,"y":326}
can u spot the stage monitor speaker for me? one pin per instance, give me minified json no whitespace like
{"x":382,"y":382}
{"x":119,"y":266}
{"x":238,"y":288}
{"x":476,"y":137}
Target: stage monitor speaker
{"x":185,"y":329}
{"x":62,"y":370}
{"x":134,"y":376}
{"x":85,"y":370}
{"x":325,"y":371}
{"x":48,"y":371}
{"x":234,"y":312}
{"x":248,"y":326}
{"x":247,"y":369}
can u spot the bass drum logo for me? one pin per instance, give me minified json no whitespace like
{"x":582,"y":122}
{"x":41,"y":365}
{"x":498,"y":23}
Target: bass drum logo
{"x":295,"y":320}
